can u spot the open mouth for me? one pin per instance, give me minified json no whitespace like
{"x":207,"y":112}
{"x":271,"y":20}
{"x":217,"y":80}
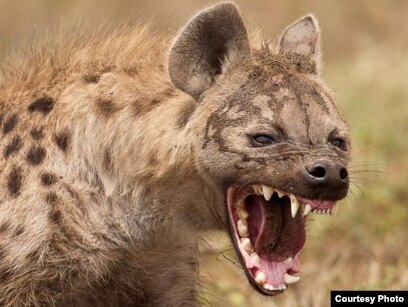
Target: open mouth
{"x":268,"y":232}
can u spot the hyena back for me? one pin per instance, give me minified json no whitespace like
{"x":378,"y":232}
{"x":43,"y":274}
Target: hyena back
{"x":118,"y":153}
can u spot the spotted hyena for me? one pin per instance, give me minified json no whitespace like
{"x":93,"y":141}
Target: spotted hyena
{"x":119,"y":150}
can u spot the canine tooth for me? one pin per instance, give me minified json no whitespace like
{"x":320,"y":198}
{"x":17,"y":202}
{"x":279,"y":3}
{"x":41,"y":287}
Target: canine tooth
{"x":242,"y":229}
{"x":260,"y":278}
{"x":288,"y":260}
{"x":294,"y":205}
{"x":307,"y":210}
{"x":267,"y":192}
{"x":242,"y":213}
{"x":333,"y":210}
{"x":255,"y":257}
{"x":289,"y":279}
{"x":246,"y":244}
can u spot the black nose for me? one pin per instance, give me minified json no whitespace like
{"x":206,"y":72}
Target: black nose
{"x":328,"y":174}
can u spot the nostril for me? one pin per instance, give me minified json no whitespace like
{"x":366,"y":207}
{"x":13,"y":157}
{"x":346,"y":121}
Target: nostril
{"x":343,"y":173}
{"x":318,"y":172}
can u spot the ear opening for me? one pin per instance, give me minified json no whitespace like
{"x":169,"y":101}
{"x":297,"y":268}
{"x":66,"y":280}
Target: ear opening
{"x":197,"y":55}
{"x":300,"y":43}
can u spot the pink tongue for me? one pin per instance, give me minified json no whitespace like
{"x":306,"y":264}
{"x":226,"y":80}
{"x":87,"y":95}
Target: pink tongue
{"x":275,"y":271}
{"x":276,"y":234}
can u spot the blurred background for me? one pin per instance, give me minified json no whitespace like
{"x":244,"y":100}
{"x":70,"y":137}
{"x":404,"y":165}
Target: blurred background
{"x":365,"y":45}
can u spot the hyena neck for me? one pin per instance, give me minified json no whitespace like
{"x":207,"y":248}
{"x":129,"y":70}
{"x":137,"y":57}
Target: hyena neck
{"x":141,"y":148}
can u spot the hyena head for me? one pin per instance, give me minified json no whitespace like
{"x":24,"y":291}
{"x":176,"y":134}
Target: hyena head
{"x":268,"y":136}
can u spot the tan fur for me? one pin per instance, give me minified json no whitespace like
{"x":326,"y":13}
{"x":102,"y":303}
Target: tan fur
{"x":105,"y":186}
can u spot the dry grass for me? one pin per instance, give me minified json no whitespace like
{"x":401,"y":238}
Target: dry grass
{"x":366,"y":245}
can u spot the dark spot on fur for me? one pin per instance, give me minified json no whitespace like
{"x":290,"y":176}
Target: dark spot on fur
{"x":146,"y":104}
{"x":132,"y":70}
{"x":107,"y":161}
{"x":62,"y":140}
{"x":5,"y":226}
{"x":152,"y":160}
{"x":10,"y":123}
{"x":91,"y":78}
{"x":5,"y":273}
{"x":32,"y":256}
{"x":36,"y":155}
{"x":185,"y":115}
{"x":19,"y":230}
{"x":48,"y":179}
{"x":106,"y":107}
{"x":13,"y":146}
{"x":54,"y":215}
{"x":14,"y":181}
{"x":37,"y":133}
{"x":43,"y":105}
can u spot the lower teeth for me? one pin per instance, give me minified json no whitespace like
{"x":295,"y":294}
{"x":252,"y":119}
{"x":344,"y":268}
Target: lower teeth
{"x":260,"y":278}
{"x":272,"y":288}
{"x":246,"y":244}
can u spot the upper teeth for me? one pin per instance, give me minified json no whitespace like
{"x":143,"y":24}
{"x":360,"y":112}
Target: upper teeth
{"x":294,"y":205}
{"x":333,"y":210}
{"x":267,"y":192}
{"x":307,"y":210}
{"x":329,"y":211}
{"x":280,"y":194}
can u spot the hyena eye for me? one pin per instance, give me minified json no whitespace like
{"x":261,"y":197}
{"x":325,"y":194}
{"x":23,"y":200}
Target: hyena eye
{"x":262,"y":140}
{"x":338,"y":142}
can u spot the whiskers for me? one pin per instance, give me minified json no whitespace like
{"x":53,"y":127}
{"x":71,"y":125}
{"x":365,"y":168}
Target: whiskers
{"x":223,"y":255}
{"x":361,"y":177}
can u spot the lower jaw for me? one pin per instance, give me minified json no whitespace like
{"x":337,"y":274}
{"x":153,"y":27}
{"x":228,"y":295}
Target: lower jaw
{"x":268,"y":276}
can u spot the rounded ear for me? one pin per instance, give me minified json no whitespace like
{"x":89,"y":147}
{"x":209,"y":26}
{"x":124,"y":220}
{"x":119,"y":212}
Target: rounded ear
{"x":300,"y":43}
{"x":199,"y":53}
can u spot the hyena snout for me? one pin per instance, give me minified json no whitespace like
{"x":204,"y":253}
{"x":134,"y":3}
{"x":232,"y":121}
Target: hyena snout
{"x":327,"y":174}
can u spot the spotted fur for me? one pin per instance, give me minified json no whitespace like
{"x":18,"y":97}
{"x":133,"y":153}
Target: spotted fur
{"x":116,"y":158}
